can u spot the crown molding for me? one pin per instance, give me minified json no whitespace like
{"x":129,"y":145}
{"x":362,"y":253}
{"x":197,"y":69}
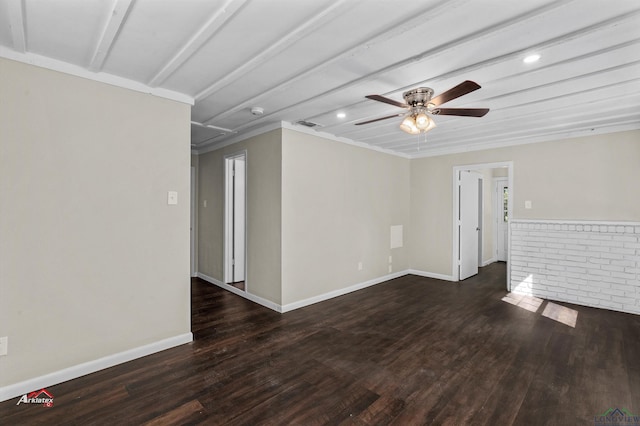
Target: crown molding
{"x":102,"y":77}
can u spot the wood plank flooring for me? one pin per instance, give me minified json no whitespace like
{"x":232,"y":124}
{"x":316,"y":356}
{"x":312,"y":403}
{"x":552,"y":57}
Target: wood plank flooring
{"x":409,"y":351}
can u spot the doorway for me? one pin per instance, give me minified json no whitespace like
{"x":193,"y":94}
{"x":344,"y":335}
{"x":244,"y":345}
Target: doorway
{"x":474,"y":229}
{"x":235,"y":220}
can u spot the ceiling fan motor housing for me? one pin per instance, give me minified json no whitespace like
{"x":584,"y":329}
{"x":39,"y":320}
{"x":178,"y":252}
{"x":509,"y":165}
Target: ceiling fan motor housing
{"x":418,"y":97}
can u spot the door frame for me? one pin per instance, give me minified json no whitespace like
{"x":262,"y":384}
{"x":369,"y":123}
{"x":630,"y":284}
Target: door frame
{"x":227,"y":218}
{"x":455,"y":272}
{"x":497,"y":211}
{"x":193,"y":222}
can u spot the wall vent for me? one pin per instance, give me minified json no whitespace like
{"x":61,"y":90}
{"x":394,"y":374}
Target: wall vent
{"x":307,"y":123}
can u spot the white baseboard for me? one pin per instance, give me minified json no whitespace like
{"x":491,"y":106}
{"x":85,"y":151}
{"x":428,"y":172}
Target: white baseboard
{"x":342,"y":291}
{"x":489,"y":262}
{"x":257,"y":299}
{"x":17,"y":389}
{"x":321,"y":297}
{"x":430,"y":275}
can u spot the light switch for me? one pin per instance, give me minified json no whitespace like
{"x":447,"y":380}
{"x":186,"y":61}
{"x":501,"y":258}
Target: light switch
{"x":172,"y":197}
{"x":527,"y":204}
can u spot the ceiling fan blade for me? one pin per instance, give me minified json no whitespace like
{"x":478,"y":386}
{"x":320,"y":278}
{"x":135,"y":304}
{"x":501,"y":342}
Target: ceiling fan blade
{"x":464,"y":112}
{"x":380,"y":98}
{"x":461,"y":89}
{"x":379,"y":119}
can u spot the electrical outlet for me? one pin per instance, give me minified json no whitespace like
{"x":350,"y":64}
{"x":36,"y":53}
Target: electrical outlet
{"x":390,"y":268}
{"x":4,"y":345}
{"x":390,"y":259}
{"x":359,"y":266}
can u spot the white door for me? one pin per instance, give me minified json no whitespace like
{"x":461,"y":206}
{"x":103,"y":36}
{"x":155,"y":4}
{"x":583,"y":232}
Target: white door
{"x":502,"y":219}
{"x":469,"y":226}
{"x":239,"y":220}
{"x":235,"y":218}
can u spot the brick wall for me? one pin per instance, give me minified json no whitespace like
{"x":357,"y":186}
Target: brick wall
{"x":587,"y":263}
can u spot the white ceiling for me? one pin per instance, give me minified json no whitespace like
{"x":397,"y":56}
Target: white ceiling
{"x":308,"y":60}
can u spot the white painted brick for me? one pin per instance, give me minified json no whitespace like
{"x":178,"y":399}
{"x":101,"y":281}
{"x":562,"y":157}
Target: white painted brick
{"x":623,"y":275}
{"x":611,"y":305}
{"x":625,"y":262}
{"x":613,"y":280}
{"x":612,"y":256}
{"x":612,"y":292}
{"x":623,"y":287}
{"x":620,"y":299}
{"x":599,"y":237}
{"x":580,"y":263}
{"x":600,"y":296}
{"x":556,"y":268}
{"x":625,"y":238}
{"x":622,"y":250}
{"x":612,"y":268}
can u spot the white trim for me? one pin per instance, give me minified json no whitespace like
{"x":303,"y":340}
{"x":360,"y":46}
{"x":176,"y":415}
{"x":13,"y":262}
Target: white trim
{"x":296,"y":128}
{"x":426,"y":274}
{"x":325,"y":135}
{"x":209,"y":147}
{"x":496,"y":215}
{"x":341,"y":291}
{"x":102,"y":77}
{"x":577,"y":222}
{"x":525,"y":140}
{"x":489,"y":262}
{"x":252,"y":297}
{"x":20,"y":388}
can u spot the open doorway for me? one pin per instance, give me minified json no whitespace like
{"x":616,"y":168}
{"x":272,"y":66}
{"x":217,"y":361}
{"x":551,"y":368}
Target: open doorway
{"x":481,"y":216}
{"x":235,"y":220}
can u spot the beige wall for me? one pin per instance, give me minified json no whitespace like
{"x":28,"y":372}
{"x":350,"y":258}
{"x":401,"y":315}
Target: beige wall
{"x":264,"y":156}
{"x":93,"y":261}
{"x":338,"y":204}
{"x":588,"y":178}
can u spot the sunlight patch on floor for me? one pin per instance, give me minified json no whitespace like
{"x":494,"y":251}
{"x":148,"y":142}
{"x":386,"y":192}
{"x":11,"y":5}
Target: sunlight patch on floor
{"x":529,"y":303}
{"x":561,"y":314}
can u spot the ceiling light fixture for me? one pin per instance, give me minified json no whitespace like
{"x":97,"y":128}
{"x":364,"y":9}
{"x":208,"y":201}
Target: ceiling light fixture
{"x":341,"y":115}
{"x":531,"y":59}
{"x":417,"y":122}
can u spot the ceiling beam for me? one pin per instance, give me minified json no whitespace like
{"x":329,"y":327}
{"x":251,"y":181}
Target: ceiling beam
{"x":429,"y":54}
{"x":393,"y":29}
{"x":283,"y":43}
{"x":515,"y":54}
{"x":195,"y":43}
{"x":16,"y":21}
{"x":112,"y":28}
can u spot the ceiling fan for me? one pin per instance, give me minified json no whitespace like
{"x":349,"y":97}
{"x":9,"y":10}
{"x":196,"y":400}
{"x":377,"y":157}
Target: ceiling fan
{"x":422,"y":105}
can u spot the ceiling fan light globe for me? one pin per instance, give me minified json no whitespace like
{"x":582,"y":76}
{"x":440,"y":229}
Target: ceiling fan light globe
{"x":422,"y":121}
{"x":409,"y":125}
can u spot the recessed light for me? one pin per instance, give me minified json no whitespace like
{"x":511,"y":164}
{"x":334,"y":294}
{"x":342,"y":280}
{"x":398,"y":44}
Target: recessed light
{"x":531,"y":59}
{"x":341,"y":115}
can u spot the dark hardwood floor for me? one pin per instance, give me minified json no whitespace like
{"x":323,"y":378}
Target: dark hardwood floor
{"x":409,"y":351}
